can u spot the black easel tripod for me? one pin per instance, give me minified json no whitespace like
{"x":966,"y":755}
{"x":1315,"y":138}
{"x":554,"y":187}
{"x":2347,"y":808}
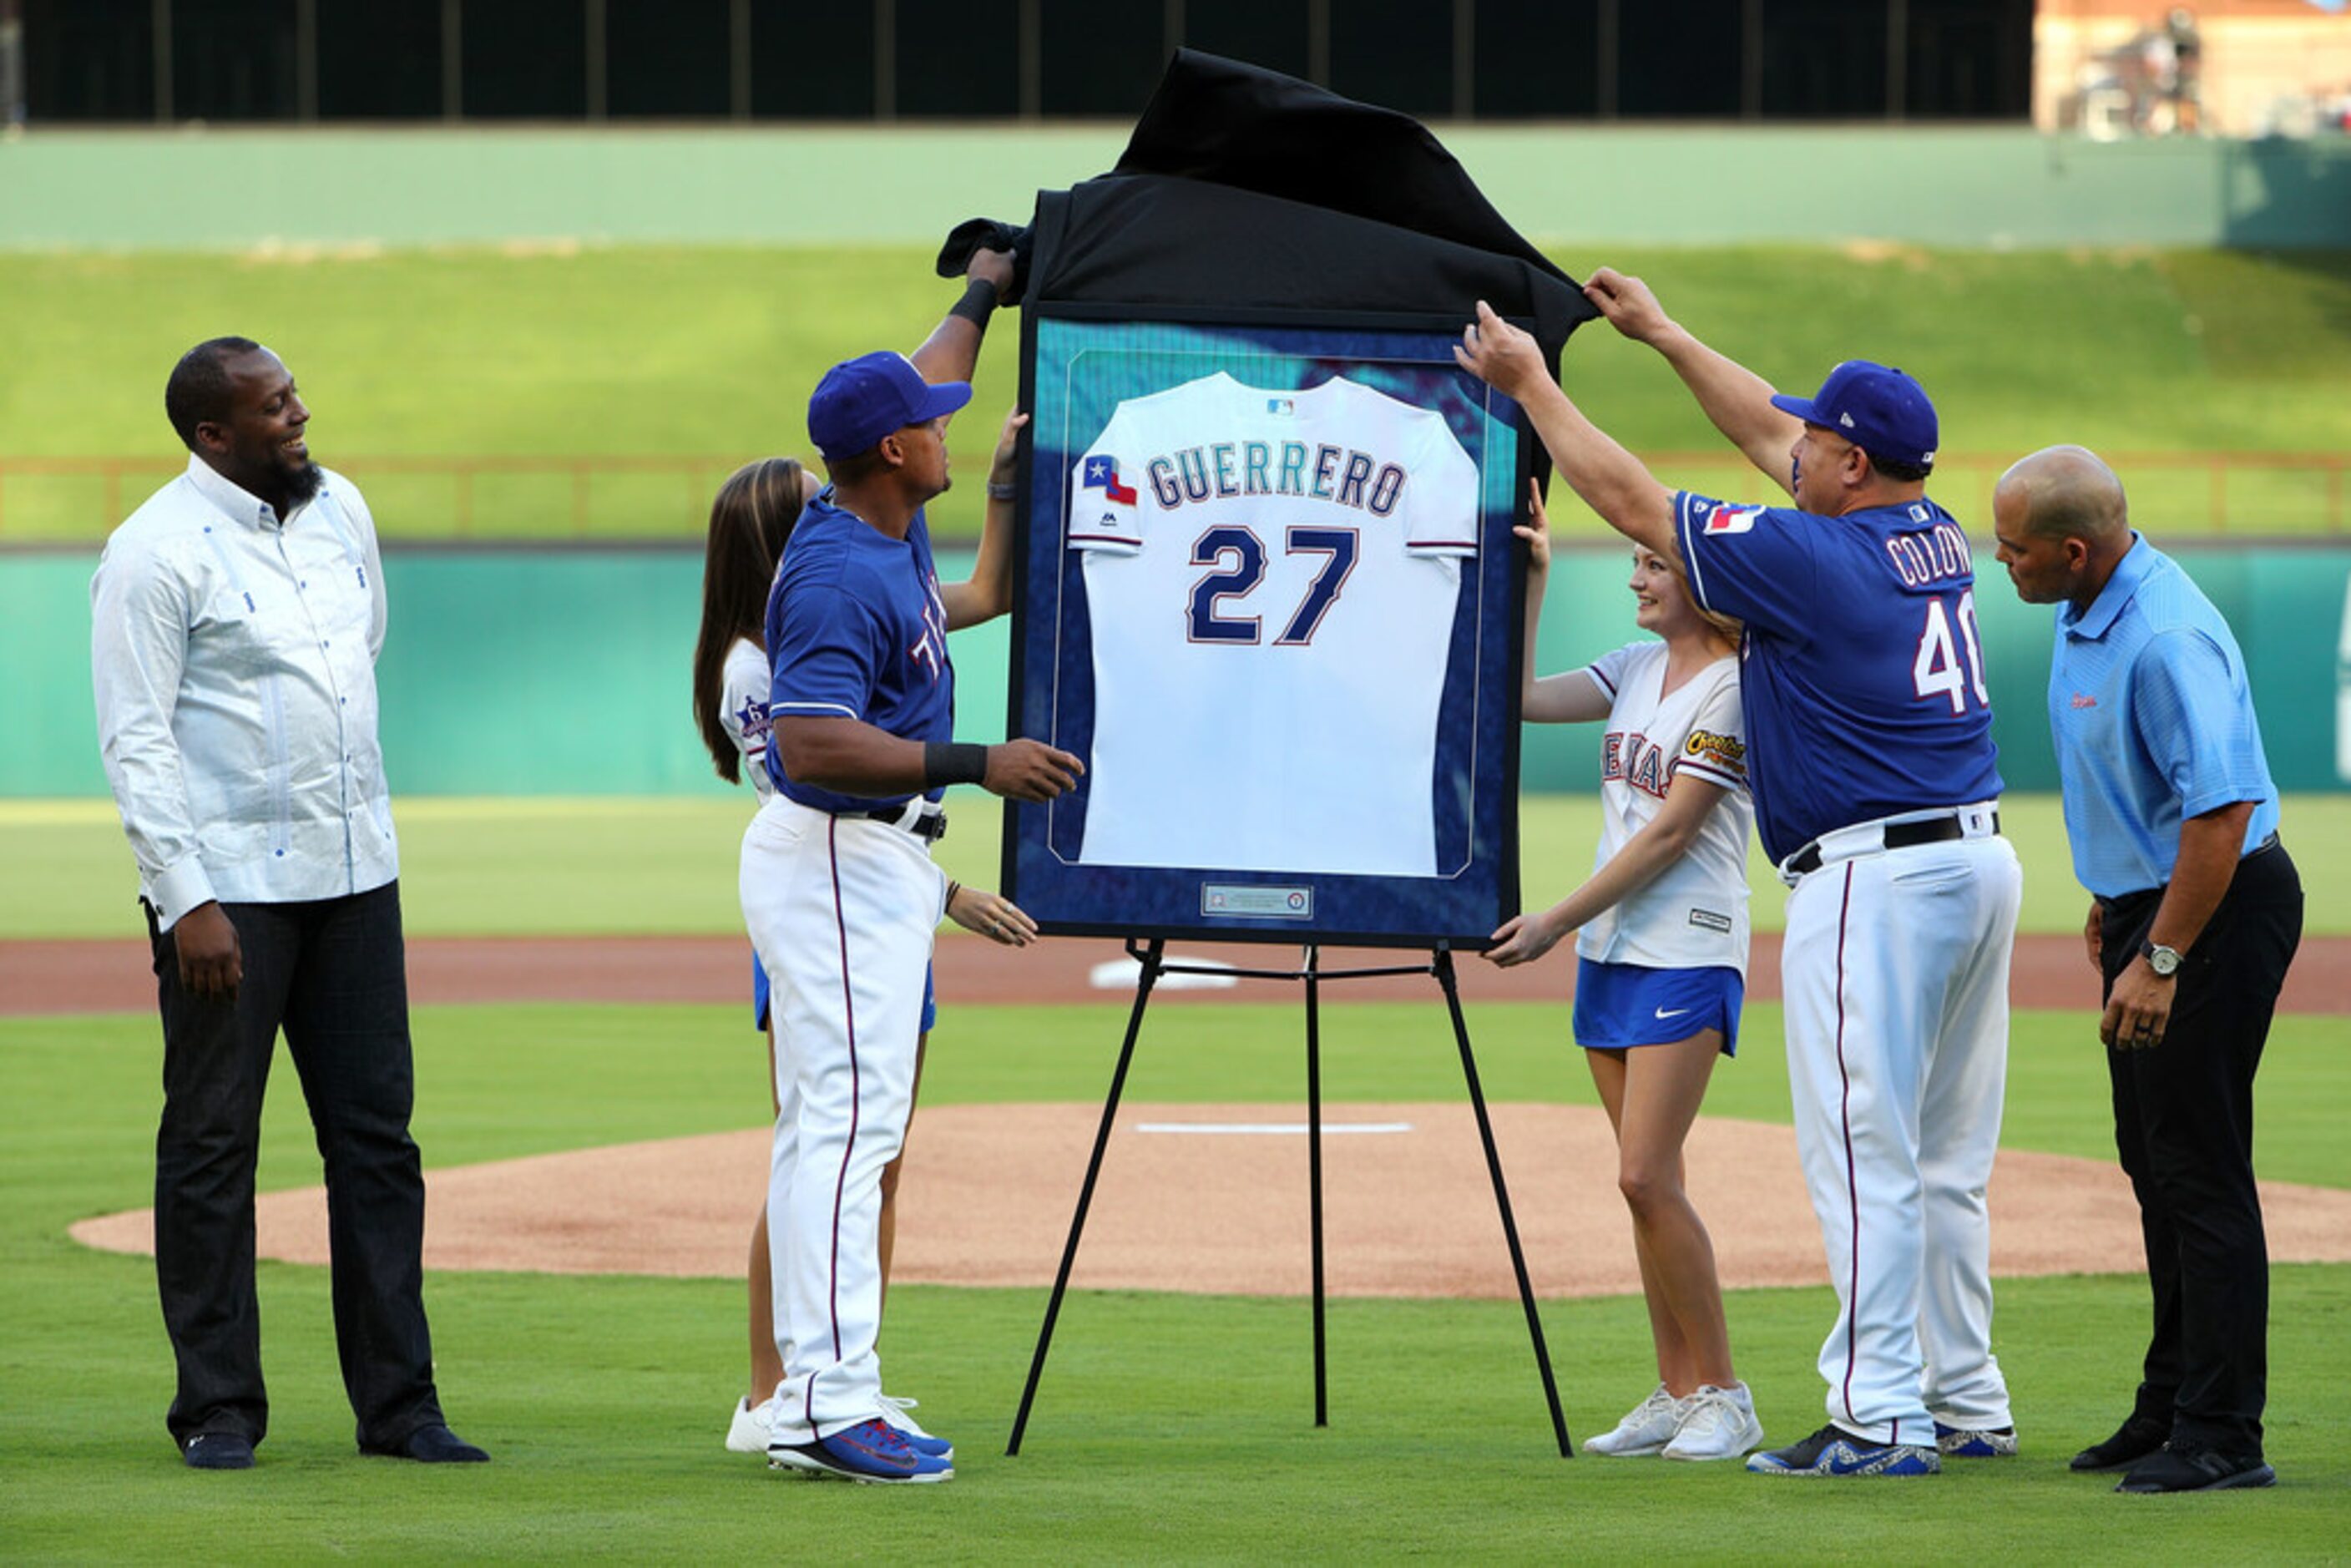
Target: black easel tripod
{"x":1153,"y":958}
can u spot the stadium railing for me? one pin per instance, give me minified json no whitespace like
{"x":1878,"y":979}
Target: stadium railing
{"x":68,"y":500}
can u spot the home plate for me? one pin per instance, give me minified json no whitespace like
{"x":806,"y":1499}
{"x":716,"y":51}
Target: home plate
{"x":1125,"y":973}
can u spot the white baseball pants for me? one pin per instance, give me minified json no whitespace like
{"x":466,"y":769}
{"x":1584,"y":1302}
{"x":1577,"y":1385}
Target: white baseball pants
{"x":843,"y":911}
{"x":1896,"y":975}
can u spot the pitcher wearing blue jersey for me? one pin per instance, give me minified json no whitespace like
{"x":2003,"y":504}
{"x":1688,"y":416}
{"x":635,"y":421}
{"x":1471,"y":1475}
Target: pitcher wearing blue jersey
{"x":840,"y":895}
{"x":1871,"y":766}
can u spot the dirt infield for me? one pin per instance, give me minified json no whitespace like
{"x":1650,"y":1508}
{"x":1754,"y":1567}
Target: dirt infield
{"x":113,"y":976}
{"x":1213,"y":1198}
{"x":1194,"y":1197}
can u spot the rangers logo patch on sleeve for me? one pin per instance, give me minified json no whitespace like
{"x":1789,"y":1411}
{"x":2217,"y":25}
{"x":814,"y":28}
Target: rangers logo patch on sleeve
{"x":1101,"y":474}
{"x":1732,"y":519}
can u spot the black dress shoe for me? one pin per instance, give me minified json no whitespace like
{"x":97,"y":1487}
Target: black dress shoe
{"x":2191,"y":1467}
{"x":2133,"y":1441}
{"x":434,"y":1445}
{"x":217,"y":1451}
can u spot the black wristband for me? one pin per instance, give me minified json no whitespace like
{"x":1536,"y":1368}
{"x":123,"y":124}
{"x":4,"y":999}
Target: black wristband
{"x":978,"y":304}
{"x":953,"y":762}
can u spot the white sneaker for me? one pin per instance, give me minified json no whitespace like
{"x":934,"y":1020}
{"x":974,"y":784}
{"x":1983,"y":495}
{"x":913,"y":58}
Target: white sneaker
{"x":751,"y":1429}
{"x":1716,"y":1424}
{"x":1646,"y":1429}
{"x":894,"y":1410}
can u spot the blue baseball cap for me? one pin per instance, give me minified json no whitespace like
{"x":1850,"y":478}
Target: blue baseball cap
{"x":1881,"y":411}
{"x":861,"y":400}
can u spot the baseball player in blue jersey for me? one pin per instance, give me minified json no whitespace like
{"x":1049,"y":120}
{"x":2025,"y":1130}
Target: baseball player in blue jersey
{"x":1872,"y":768}
{"x":840,"y":893}
{"x":749,"y":521}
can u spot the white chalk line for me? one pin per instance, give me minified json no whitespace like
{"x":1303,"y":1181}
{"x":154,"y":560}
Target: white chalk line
{"x":1289,"y":1129}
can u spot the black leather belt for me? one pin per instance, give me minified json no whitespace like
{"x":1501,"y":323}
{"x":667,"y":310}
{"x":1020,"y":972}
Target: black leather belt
{"x":1899,"y":836}
{"x":930,"y":827}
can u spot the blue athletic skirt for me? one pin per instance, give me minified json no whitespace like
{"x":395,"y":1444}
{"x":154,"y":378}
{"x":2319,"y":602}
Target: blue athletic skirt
{"x":1622,"y":1004}
{"x":759,"y":997}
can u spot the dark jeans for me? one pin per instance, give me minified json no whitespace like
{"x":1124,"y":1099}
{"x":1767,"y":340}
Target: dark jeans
{"x":2184,"y":1127}
{"x":333,"y":974}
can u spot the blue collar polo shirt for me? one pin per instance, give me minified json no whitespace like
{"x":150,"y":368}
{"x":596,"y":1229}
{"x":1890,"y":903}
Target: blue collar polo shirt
{"x":2154,"y":722}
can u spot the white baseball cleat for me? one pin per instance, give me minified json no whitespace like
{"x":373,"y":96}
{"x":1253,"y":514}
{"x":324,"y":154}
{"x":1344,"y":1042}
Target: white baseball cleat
{"x":1645,"y":1429}
{"x":1716,"y":1424}
{"x":750,"y":1431}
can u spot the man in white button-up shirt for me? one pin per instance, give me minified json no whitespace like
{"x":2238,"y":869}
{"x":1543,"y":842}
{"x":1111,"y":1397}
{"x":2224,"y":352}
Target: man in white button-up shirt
{"x":235,"y":618}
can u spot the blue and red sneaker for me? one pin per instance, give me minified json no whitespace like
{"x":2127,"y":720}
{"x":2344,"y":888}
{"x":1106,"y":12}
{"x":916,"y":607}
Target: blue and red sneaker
{"x":897,"y":1411}
{"x":1834,"y":1451}
{"x":870,"y":1451}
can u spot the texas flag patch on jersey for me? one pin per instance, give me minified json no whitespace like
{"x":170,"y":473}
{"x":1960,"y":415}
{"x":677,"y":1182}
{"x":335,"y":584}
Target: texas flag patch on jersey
{"x":1101,"y":474}
{"x":1732,"y":519}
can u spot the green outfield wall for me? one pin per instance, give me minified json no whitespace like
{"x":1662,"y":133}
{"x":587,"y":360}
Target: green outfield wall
{"x":200,"y":188}
{"x":566,"y":672}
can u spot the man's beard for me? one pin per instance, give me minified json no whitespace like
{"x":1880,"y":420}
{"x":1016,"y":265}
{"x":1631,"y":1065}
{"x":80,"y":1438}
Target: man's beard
{"x":302,"y":484}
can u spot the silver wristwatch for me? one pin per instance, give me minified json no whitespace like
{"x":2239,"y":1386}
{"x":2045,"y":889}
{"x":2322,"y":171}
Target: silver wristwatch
{"x":2164,"y":961}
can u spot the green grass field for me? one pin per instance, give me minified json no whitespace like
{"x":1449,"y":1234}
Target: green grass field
{"x":1167,"y":1429}
{"x":488,"y":867}
{"x":708,"y":352}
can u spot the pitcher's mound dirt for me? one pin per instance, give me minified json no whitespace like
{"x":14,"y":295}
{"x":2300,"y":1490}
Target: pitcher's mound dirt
{"x":1213,"y":1198}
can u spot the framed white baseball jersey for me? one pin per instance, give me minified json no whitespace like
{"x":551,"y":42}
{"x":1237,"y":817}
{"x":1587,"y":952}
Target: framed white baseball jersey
{"x":1694,"y":914}
{"x":1273,"y":576}
{"x":1266,"y":587}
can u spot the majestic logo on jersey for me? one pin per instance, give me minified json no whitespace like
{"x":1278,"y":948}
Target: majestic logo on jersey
{"x":1732,"y":519}
{"x":1224,"y":469}
{"x":1101,"y":474}
{"x":2083,"y":699}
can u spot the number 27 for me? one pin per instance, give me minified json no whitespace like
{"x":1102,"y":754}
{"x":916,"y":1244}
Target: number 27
{"x":1238,"y":556}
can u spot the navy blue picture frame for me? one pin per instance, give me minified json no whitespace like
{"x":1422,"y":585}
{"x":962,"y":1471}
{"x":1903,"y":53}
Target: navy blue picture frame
{"x":1474,"y":791}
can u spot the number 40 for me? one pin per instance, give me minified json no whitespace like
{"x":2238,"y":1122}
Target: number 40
{"x":1936,"y":671}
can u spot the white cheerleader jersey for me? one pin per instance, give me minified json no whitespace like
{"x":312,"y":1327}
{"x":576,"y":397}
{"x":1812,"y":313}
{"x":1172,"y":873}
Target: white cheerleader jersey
{"x":743,"y":709}
{"x":1693,"y":915}
{"x":1271,"y":577}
